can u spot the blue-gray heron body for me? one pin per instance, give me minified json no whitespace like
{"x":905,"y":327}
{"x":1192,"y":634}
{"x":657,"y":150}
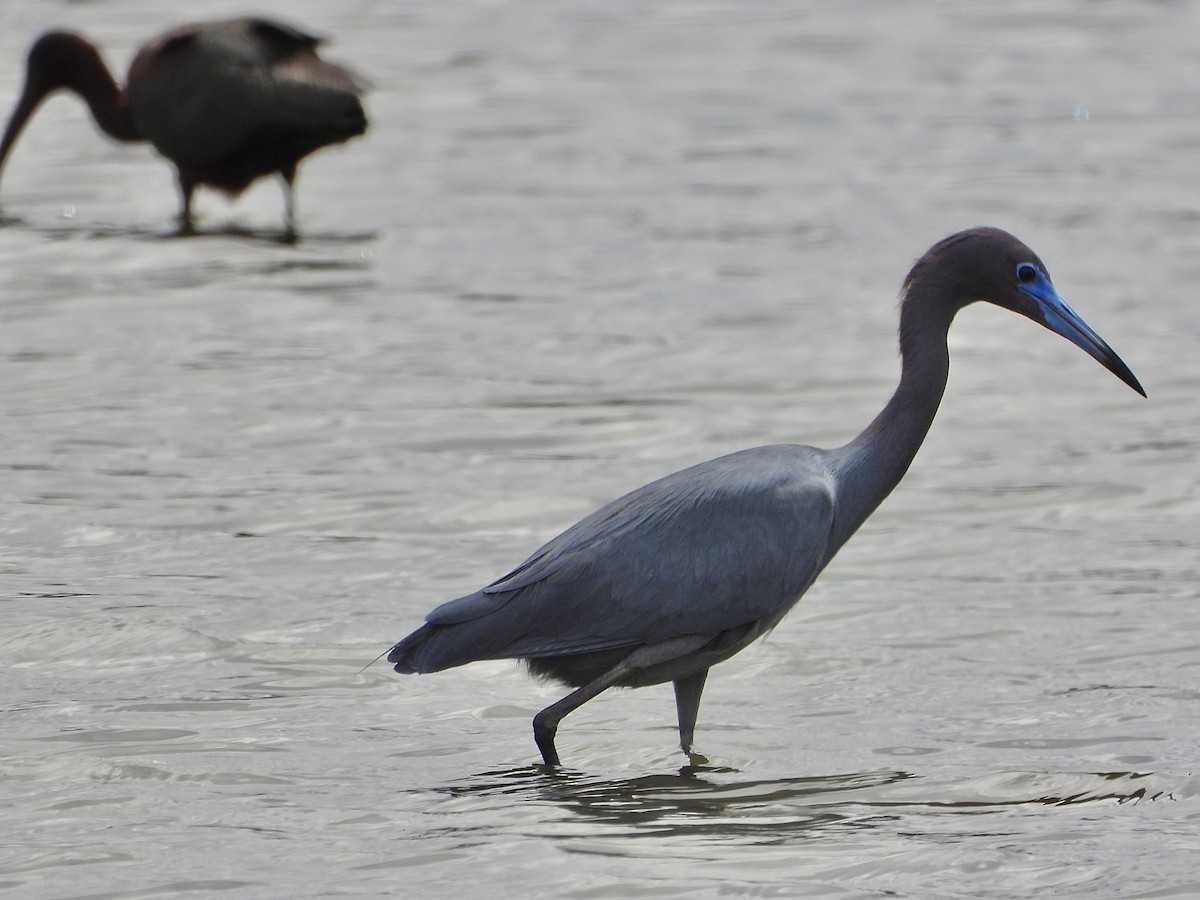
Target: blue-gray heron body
{"x":684,"y":572}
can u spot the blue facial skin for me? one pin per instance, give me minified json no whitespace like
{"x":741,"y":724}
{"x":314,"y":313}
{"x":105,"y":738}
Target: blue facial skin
{"x":1058,"y":316}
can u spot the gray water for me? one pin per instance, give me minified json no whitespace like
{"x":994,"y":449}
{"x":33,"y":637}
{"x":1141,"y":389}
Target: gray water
{"x":583,"y":245}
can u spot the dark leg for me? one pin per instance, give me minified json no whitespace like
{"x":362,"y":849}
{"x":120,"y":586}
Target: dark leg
{"x":186,"y":188}
{"x":289,"y":203}
{"x":687,"y":705}
{"x":545,"y":723}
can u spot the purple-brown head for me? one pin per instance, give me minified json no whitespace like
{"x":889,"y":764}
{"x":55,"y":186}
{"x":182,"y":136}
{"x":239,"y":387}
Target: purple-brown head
{"x":63,"y":60}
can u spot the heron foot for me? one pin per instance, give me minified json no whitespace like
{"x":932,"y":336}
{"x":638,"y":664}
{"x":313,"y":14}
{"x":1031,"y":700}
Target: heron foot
{"x":544,"y":729}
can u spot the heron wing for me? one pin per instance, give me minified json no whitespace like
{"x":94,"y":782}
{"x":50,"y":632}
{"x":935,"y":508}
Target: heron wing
{"x":723,"y":544}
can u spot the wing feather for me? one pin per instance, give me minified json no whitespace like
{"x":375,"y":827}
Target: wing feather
{"x":733,"y":541}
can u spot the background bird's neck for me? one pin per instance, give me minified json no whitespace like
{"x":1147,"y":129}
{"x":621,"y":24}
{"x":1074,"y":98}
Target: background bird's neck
{"x":874,"y":462}
{"x":90,"y":79}
{"x":110,"y":111}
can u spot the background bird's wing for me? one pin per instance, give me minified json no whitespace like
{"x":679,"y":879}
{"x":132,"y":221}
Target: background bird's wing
{"x":203,"y":93}
{"x":727,"y":543}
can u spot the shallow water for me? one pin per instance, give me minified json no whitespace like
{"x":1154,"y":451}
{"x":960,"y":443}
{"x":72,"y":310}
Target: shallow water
{"x":583,"y":245}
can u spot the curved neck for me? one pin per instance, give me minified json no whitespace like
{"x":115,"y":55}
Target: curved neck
{"x":867,"y":468}
{"x":92,"y":81}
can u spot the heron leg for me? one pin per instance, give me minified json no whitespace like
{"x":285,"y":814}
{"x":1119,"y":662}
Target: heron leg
{"x":687,"y":706}
{"x":545,"y":723}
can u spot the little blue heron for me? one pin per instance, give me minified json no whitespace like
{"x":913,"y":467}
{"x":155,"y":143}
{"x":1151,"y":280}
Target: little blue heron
{"x":684,"y":572}
{"x":227,"y":102}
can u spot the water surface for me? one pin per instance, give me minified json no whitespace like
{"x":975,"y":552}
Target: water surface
{"x":583,"y":245}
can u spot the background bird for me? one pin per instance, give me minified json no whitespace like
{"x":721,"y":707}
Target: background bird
{"x":227,"y":102}
{"x":684,"y":572}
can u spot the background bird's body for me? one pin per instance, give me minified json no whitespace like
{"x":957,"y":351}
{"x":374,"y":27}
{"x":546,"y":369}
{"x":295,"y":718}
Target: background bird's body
{"x":679,"y":575}
{"x":227,"y":102}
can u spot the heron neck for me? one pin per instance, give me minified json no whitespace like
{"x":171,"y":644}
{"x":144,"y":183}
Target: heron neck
{"x":871,"y":465}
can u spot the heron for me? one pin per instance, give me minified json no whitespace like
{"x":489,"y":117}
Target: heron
{"x":667,"y":581}
{"x":227,"y":102}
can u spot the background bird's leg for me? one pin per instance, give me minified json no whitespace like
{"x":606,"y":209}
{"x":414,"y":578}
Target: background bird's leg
{"x":545,"y":723}
{"x":186,"y":189}
{"x":289,"y":202}
{"x":687,"y":705}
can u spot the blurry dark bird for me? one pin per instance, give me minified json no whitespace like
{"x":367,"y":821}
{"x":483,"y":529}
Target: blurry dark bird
{"x":684,"y":572}
{"x":227,"y":102}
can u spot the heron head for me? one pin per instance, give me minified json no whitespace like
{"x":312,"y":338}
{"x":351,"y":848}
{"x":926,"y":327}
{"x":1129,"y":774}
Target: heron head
{"x":991,"y":265}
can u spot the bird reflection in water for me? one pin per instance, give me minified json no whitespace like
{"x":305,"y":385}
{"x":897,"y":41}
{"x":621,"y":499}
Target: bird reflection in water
{"x":701,"y":802}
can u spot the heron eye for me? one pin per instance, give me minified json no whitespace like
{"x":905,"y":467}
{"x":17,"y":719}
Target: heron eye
{"x":1027,"y":273}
